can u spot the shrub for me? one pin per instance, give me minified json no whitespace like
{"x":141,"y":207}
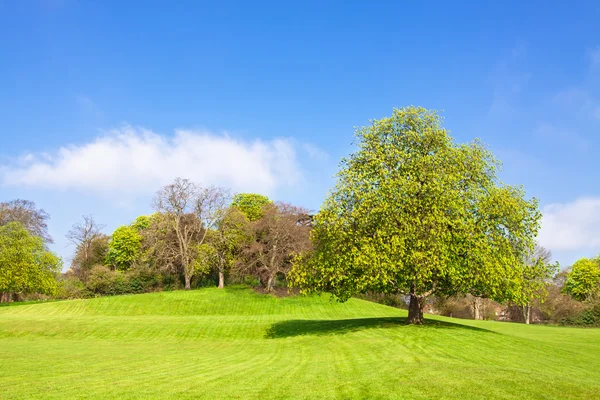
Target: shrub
{"x":70,"y":287}
{"x":103,"y":281}
{"x":590,"y":316}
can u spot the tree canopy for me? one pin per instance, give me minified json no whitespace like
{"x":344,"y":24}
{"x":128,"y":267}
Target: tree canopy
{"x":25,"y":264}
{"x":415,"y":213}
{"x":583,"y":281}
{"x":124,"y":247}
{"x":251,"y":204}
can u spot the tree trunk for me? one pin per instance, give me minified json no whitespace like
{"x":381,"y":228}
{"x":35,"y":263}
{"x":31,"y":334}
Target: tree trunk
{"x":477,"y":308}
{"x":270,"y":283}
{"x":526,"y":313}
{"x":415,"y":310}
{"x":188,"y":280}
{"x":221,"y":280}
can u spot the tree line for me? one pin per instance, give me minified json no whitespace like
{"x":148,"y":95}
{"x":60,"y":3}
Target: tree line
{"x":197,"y":235}
{"x":413,"y":216}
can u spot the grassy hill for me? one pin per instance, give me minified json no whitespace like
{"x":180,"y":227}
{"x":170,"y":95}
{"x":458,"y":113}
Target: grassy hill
{"x":237,"y":344}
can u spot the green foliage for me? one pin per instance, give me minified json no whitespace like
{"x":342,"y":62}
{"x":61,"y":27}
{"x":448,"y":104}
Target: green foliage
{"x":251,"y":204}
{"x":103,"y":281}
{"x":583,"y":281}
{"x":25,"y":264}
{"x":536,"y":272}
{"x":142,"y":222}
{"x":412,"y":212}
{"x":230,"y":236}
{"x":124,"y":247}
{"x":70,"y":287}
{"x":206,"y":258}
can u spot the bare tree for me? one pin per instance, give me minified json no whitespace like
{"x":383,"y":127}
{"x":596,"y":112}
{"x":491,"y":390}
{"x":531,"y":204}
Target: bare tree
{"x":280,"y":235}
{"x":90,"y":244}
{"x":189,"y":212}
{"x":83,"y":233}
{"x":24,"y":211}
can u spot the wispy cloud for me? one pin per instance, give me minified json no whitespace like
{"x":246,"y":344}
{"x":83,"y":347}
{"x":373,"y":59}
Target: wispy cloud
{"x":131,"y":161}
{"x":549,"y":132}
{"x":594,"y":56}
{"x":508,"y":81}
{"x":572,"y":114}
{"x":88,"y":106}
{"x":315,"y":152}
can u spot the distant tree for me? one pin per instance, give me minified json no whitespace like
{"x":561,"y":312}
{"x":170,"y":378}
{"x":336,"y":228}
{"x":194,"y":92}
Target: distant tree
{"x":90,"y":245}
{"x":537,"y":272}
{"x":224,"y":244}
{"x":583,"y":282}
{"x":414,"y":213}
{"x":124,"y":247}
{"x":31,"y":218}
{"x":188,"y":212}
{"x":90,"y":255}
{"x":142,"y":222}
{"x":251,"y":204}
{"x":280,"y":236}
{"x":25,"y":264}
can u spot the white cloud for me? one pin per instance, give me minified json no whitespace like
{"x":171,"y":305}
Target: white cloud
{"x":131,"y":161}
{"x":573,"y":226}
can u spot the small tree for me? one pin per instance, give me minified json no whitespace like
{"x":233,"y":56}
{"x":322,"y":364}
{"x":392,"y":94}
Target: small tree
{"x":251,"y":204}
{"x":124,"y":247}
{"x":536,"y":273}
{"x":188,"y":212}
{"x":89,"y":245}
{"x":25,"y":264}
{"x":414,"y":213}
{"x":88,"y":256}
{"x":280,"y":235}
{"x":583,"y":282}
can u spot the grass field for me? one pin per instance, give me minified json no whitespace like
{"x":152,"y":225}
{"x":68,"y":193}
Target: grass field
{"x":237,"y":344}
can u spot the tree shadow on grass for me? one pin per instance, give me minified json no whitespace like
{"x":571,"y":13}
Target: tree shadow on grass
{"x":301,"y":327}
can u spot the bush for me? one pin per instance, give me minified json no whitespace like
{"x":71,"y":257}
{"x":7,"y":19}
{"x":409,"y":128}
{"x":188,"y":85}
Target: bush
{"x":558,"y":307}
{"x":70,"y":287}
{"x":590,"y":316}
{"x":103,"y":281}
{"x":250,"y":280}
{"x":141,"y":279}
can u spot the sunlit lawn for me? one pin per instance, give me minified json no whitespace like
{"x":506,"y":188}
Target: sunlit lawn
{"x":237,"y":344}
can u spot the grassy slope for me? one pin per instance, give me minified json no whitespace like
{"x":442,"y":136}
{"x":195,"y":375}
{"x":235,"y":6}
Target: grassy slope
{"x":238,"y":344}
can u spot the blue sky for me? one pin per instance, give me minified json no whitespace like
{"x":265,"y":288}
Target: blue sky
{"x":101,"y":103}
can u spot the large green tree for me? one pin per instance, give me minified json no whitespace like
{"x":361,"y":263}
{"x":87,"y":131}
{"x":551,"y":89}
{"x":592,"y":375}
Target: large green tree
{"x":583,"y":281}
{"x":414,"y":213}
{"x":25,"y":264}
